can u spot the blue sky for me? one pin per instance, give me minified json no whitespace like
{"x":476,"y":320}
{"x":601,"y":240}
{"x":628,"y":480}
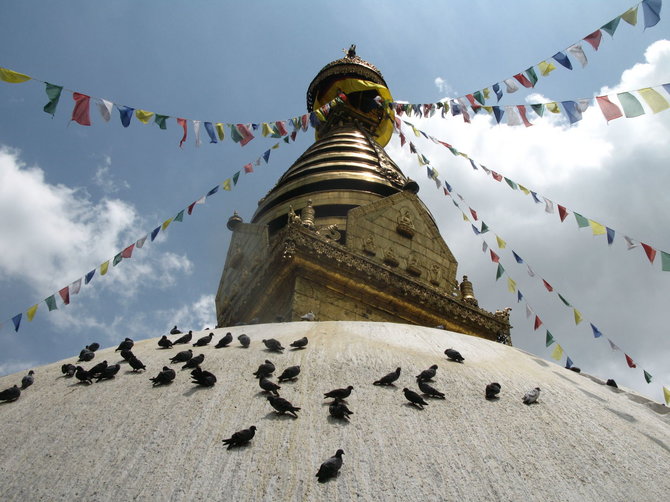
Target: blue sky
{"x":73,"y":196}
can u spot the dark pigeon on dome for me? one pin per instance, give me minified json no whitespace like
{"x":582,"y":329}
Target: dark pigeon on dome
{"x":388,"y":379}
{"x":201,"y":342}
{"x":165,"y":376}
{"x":86,"y":355}
{"x":182,"y":357}
{"x":68,"y":370}
{"x":414,"y":398}
{"x":290,"y":373}
{"x":27,"y":380}
{"x":454,"y":355}
{"x":126,"y":344}
{"x":93,"y":347}
{"x":109,"y":372}
{"x":175,"y":331}
{"x":338,"y":409}
{"x":268,"y":385}
{"x":264,"y":370}
{"x":531,"y":396}
{"x":427,"y":375}
{"x":164,"y":342}
{"x":612,"y":383}
{"x":183,"y":339}
{"x":273,"y":345}
{"x":11,"y":394}
{"x":194,"y":362}
{"x":330,"y":468}
{"x":240,"y":438}
{"x":245,"y":341}
{"x":202,"y":377}
{"x":492,"y":390}
{"x":97,"y":369}
{"x":429,"y":390}
{"x":127,"y":354}
{"x":136,"y":364}
{"x":301,"y":343}
{"x":283,"y":406}
{"x":83,"y":376}
{"x":575,"y":369}
{"x":225,"y":341}
{"x":339,"y":393}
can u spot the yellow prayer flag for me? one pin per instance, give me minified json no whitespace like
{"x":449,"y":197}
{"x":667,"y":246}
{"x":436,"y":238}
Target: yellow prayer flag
{"x":546,"y":68}
{"x":523,"y":189}
{"x":666,"y":393}
{"x":144,"y":116}
{"x":265,"y":129}
{"x":487,"y":93}
{"x":220,"y":131}
{"x":12,"y":77}
{"x":553,"y":107}
{"x":597,"y":228}
{"x":275,"y":146}
{"x":166,"y":223}
{"x":656,"y":102}
{"x":511,"y":285}
{"x":578,"y":316}
{"x":557,"y":353}
{"x":465,"y":217}
{"x":489,"y":109}
{"x":104,"y":267}
{"x":416,"y":132}
{"x":31,"y":312}
{"x":319,"y":115}
{"x":226,"y":184}
{"x":501,"y":243}
{"x":630,"y":16}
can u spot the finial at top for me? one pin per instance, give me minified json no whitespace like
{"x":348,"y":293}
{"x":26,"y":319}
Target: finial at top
{"x":352,"y":51}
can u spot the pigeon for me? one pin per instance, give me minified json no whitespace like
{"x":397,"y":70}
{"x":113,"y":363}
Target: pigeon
{"x":126,"y":344}
{"x":429,"y":390}
{"x":269,"y":386}
{"x":244,"y":340}
{"x":240,"y":438}
{"x":11,"y":394}
{"x":97,"y":369}
{"x":83,"y":376}
{"x":531,"y":396}
{"x":612,"y":383}
{"x":338,"y":409}
{"x":136,"y":364}
{"x":183,"y":339}
{"x":194,"y":362}
{"x":109,"y":372}
{"x":414,"y":398}
{"x":204,"y":340}
{"x":86,"y":355}
{"x":290,"y":373}
{"x":427,"y":375}
{"x":27,"y":380}
{"x":164,"y":342}
{"x":339,"y":393}
{"x":202,"y":377}
{"x":330,"y":467}
{"x":454,"y":355}
{"x":309,"y":316}
{"x":127,"y":354}
{"x":68,"y":370}
{"x":225,"y":340}
{"x":93,"y":347}
{"x":264,"y":370}
{"x":273,"y":345}
{"x":300,"y":344}
{"x":492,"y":390}
{"x":166,"y":376}
{"x":575,"y":369}
{"x":182,"y":357}
{"x":283,"y":406}
{"x":388,"y":379}
{"x":175,"y":331}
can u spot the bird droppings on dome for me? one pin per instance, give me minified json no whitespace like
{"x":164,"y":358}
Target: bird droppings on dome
{"x":118,"y":438}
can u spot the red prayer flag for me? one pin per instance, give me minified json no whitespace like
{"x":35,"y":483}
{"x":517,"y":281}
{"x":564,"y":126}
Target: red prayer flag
{"x":522,"y":112}
{"x":402,"y":139}
{"x":249,"y":168}
{"x":538,"y":323}
{"x":594,"y":39}
{"x":473,"y":213}
{"x":547,"y":285}
{"x":445,"y":191}
{"x":496,"y":176}
{"x":523,"y":80}
{"x":190,"y":208}
{"x":630,"y":362}
{"x":281,"y":128}
{"x":444,"y":144}
{"x":80,"y":112}
{"x":65,"y":295}
{"x":246,"y":134}
{"x":182,"y":122}
{"x":562,"y":212}
{"x":494,"y":257}
{"x":609,"y":109}
{"x":128,"y":252}
{"x":650,"y":251}
{"x":475,"y":105}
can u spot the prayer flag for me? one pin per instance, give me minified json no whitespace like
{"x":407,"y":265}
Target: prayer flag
{"x":498,"y":112}
{"x":549,"y":340}
{"x":610,"y":235}
{"x":12,"y":77}
{"x":478,"y":96}
{"x":511,"y":285}
{"x":546,"y":68}
{"x":182,"y":122}
{"x":522,"y":113}
{"x":501,"y":243}
{"x":665,"y":261}
{"x":500,"y":271}
{"x":472,"y":163}
{"x":236,"y":177}
{"x":629,"y":361}
{"x":517,"y":257}
{"x":105,"y":109}
{"x":512,"y":117}
{"x":613,"y":345}
{"x":53,"y":93}
{"x":578,"y":53}
{"x":126,"y":114}
{"x":485,"y":246}
{"x":548,"y":206}
{"x":566,"y":302}
{"x":511,"y":86}
{"x":248,"y":168}
{"x":629,"y":242}
{"x":571,"y":110}
{"x":537,"y":323}
{"x":563,"y":60}
{"x":213,"y":191}
{"x":578,"y":316}
{"x":179,"y":217}
{"x":154,"y":233}
{"x":210,"y":132}
{"x":666,"y":394}
{"x":647,"y":376}
{"x":609,"y":109}
{"x":656,"y":102}
{"x":631,"y":106}
{"x":474,"y":228}
{"x":649,"y":251}
{"x":547,"y":285}
{"x":519,"y":295}
{"x":538,"y":108}
{"x":80,"y":112}
{"x":594,"y":39}
{"x":221,"y":133}
{"x":104,"y":267}
{"x":473,"y":213}
{"x":652,"y":12}
{"x":497,"y":90}
{"x":117,"y":259}
{"x":611,"y":26}
{"x":196,"y":132}
{"x":523,"y":80}
{"x":17,"y":321}
{"x":568,"y":363}
{"x":144,"y":116}
{"x":557,"y":354}
{"x":226,"y":185}
{"x":562,"y":212}
{"x":75,"y":287}
{"x":581,"y":221}
{"x":597,"y":228}
{"x":553,"y":107}
{"x":161,"y":121}
{"x":51,"y":303}
{"x":31,"y":312}
{"x":140,"y":242}
{"x":189,"y":209}
{"x":128,"y":252}
{"x":484,"y":228}
{"x":530,"y":271}
{"x":529,"y":311}
{"x":281,"y":127}
{"x":166,"y":224}
{"x":494,"y":257}
{"x":532,"y":76}
{"x":89,"y":276}
{"x":596,"y":331}
{"x":630,"y":16}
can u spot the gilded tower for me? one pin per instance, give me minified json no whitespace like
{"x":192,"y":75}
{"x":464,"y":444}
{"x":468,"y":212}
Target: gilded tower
{"x":343,"y":234}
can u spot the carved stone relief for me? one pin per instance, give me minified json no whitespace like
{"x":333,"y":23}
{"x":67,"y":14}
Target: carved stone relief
{"x":405,"y":226}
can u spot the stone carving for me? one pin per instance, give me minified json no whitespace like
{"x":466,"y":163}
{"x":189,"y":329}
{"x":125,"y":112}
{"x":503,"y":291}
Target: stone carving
{"x":307,"y":216}
{"x":413,"y":265}
{"x":330,"y":232}
{"x":504,"y":313}
{"x":369,"y":245}
{"x":236,"y":257}
{"x":435,"y":273}
{"x":390,"y":258}
{"x":405,"y":226}
{"x":293,"y":218}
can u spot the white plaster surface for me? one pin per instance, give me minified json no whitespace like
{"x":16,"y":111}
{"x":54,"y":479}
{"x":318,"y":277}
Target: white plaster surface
{"x":124,"y":440}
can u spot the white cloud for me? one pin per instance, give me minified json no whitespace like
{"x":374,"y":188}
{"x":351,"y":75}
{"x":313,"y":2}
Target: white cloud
{"x":197,"y":316}
{"x":443,"y":86}
{"x":104,"y":179}
{"x":14,"y":366}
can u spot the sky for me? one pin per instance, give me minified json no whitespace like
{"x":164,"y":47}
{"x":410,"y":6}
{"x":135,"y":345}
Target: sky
{"x":72,"y":196}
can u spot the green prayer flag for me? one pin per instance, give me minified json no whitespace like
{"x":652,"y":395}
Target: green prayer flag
{"x":550,"y":339}
{"x":499,"y":272}
{"x":180,"y":216}
{"x":611,"y":26}
{"x":532,"y":76}
{"x":665,"y":261}
{"x":581,"y":221}
{"x":287,"y":139}
{"x":161,"y":121}
{"x":235,"y":134}
{"x":631,"y":106}
{"x":478,"y":96}
{"x":236,"y":177}
{"x":538,"y":108}
{"x":117,"y":260}
{"x":511,"y":184}
{"x":567,"y":303}
{"x":484,"y":229}
{"x":51,"y":303}
{"x":647,"y":376}
{"x":53,"y":93}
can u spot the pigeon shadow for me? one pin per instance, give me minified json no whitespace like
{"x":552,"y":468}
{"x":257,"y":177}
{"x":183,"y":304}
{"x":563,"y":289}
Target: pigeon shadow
{"x":273,"y":351}
{"x":338,"y":421}
{"x":273,"y":415}
{"x":391,"y":386}
{"x":493,"y":399}
{"x":194,"y":389}
{"x":241,"y":447}
{"x":296,"y":348}
{"x":8,"y":402}
{"x":410,"y":405}
{"x":454,"y":362}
